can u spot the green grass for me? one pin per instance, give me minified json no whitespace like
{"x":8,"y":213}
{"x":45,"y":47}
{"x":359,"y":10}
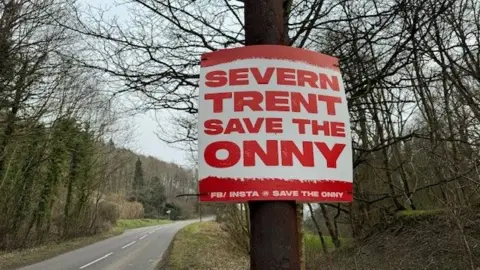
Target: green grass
{"x":417,"y":215}
{"x":313,"y":244}
{"x":19,"y":258}
{"x":204,"y":245}
{"x":420,"y":213}
{"x":137,"y":223}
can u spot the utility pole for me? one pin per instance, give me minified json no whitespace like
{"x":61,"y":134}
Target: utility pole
{"x":274,"y":240}
{"x":199,"y":209}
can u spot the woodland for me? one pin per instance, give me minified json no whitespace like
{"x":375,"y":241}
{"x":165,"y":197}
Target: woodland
{"x":61,"y":174}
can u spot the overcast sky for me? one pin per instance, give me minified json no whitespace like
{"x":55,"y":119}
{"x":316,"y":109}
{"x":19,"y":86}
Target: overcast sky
{"x":144,"y":140}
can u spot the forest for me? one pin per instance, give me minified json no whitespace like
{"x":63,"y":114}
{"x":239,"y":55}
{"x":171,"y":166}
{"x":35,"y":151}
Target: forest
{"x":411,"y":71}
{"x":61,"y":174}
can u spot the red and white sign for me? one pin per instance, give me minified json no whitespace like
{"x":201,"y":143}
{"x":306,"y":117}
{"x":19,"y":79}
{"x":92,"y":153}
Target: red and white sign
{"x":273,"y":125}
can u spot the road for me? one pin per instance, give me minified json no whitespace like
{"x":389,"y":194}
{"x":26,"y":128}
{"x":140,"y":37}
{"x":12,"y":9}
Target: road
{"x":135,"y":249}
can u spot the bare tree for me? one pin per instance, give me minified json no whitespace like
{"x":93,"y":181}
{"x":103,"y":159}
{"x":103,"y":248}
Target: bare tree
{"x":410,"y":69}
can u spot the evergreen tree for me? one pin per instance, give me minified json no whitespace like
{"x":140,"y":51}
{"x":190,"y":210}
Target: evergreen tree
{"x":154,"y":198}
{"x":138,"y":181}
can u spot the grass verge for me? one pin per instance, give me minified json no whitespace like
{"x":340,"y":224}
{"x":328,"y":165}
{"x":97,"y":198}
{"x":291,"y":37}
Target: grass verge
{"x":137,"y":223}
{"x":19,"y":258}
{"x":203,"y":245}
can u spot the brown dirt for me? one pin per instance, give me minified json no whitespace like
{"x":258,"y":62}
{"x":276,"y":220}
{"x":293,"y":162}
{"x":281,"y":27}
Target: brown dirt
{"x":426,"y":241}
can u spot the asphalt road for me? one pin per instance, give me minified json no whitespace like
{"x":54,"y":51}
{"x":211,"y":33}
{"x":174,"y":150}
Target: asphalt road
{"x":136,"y":249}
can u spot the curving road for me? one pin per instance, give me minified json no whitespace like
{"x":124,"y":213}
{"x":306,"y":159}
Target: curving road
{"x":135,"y":249}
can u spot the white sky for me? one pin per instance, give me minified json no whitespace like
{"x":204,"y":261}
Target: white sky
{"x":144,"y":140}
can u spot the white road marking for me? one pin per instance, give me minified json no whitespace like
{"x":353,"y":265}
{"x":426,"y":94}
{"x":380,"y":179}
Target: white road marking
{"x":143,"y":237}
{"x":151,"y":232}
{"x":129,"y":244}
{"x":99,"y":259}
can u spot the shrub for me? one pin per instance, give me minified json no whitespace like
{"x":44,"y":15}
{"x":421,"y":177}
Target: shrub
{"x":234,"y":221}
{"x":129,"y":210}
{"x":108,"y":212}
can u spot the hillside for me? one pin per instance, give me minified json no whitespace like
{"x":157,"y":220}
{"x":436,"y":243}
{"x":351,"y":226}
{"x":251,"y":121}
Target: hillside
{"x":55,"y":189}
{"x":447,"y":239}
